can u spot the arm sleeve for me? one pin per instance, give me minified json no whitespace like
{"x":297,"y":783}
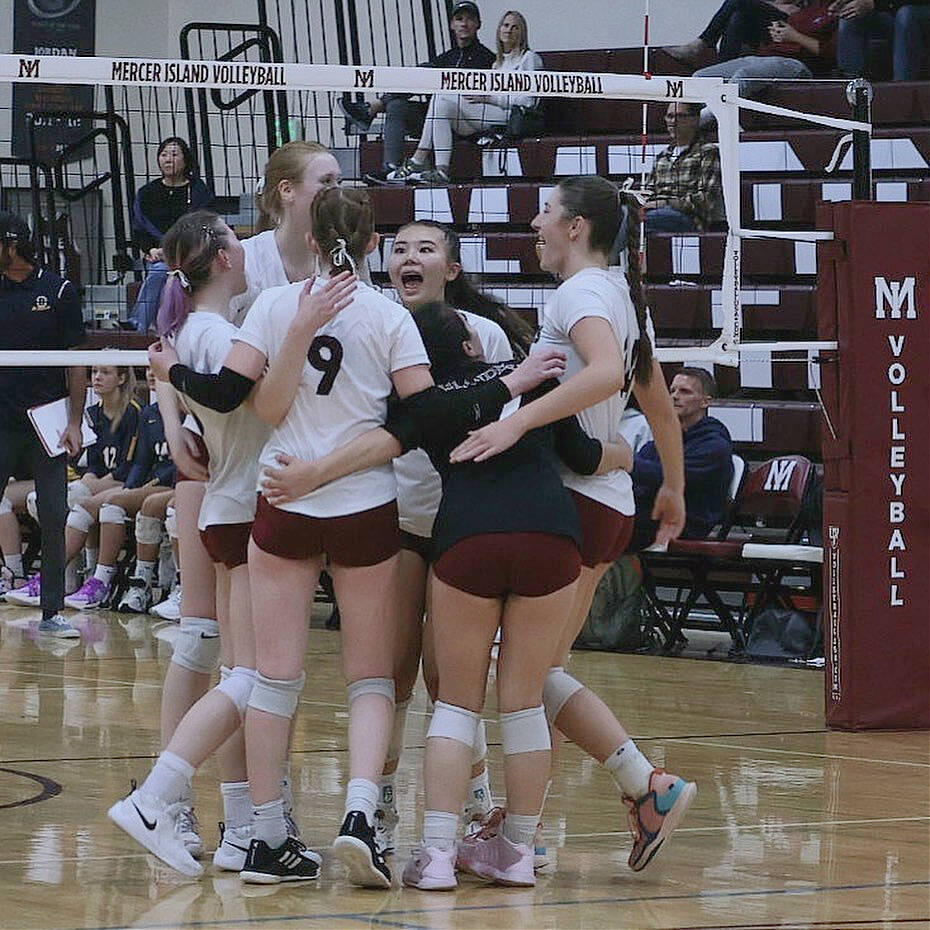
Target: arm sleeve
{"x":576,"y":448}
{"x":435,"y":414}
{"x":222,"y":392}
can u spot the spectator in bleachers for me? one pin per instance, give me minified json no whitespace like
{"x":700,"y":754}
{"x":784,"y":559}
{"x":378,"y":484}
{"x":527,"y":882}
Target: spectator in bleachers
{"x":39,"y":310}
{"x":157,"y":206}
{"x":708,"y":463}
{"x":801,"y":47}
{"x":738,"y":28}
{"x":686,"y":192}
{"x":403,"y":115}
{"x":905,"y":24}
{"x":469,"y":115}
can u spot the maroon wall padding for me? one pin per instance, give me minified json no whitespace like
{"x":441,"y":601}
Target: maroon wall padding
{"x":874,"y":292}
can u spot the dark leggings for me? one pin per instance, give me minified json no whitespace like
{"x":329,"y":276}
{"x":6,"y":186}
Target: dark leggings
{"x":738,"y":24}
{"x":19,"y":446}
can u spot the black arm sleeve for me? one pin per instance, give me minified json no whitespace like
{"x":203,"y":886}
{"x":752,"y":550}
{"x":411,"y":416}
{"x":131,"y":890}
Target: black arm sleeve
{"x":434,"y":414}
{"x":576,"y":448}
{"x":222,"y":392}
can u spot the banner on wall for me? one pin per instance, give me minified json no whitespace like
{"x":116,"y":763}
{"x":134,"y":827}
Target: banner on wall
{"x":52,"y":27}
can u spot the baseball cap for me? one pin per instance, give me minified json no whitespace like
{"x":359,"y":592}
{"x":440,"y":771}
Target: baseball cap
{"x":466,"y":6}
{"x":13,"y":228}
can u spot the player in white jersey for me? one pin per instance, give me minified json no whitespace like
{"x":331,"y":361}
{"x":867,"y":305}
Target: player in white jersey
{"x":599,"y":321}
{"x":353,"y":363}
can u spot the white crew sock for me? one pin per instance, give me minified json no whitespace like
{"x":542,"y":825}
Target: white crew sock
{"x":520,"y":828}
{"x":630,"y":769}
{"x":15,"y":564}
{"x":145,"y":571}
{"x":237,"y":803}
{"x":439,"y":829}
{"x":362,"y":795}
{"x":478,"y":799}
{"x":90,"y":559}
{"x":268,"y":823}
{"x":170,"y":778}
{"x":105,"y":573}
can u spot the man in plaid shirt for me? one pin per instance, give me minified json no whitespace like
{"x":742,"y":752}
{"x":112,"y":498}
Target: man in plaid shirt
{"x":687,"y":193}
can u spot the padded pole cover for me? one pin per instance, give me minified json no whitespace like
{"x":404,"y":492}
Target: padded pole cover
{"x":874,"y":298}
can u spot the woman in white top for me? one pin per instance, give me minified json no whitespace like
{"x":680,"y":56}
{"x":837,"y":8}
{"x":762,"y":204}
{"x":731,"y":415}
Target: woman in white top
{"x":352,"y":366}
{"x":470,"y":114}
{"x":599,"y":321}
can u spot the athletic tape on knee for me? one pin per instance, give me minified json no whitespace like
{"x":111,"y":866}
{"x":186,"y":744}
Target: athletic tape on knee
{"x":480,"y":746}
{"x":197,"y":646}
{"x":396,"y":743}
{"x":79,"y":519}
{"x":525,"y":731}
{"x":148,"y":530}
{"x":557,"y":690}
{"x":453,"y":722}
{"x":171,"y":523}
{"x":32,"y":505}
{"x":113,"y":513}
{"x":77,"y":491}
{"x":382,"y":686}
{"x":277,"y":696}
{"x":237,"y":683}
{"x":6,"y":505}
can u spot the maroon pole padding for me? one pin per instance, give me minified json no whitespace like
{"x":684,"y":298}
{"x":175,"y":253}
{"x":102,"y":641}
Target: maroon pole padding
{"x":874,"y":286}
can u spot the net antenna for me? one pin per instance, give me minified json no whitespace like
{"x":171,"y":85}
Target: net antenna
{"x":720,"y":96}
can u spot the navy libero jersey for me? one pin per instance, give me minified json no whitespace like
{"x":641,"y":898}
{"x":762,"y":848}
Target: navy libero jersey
{"x":42,"y":312}
{"x":112,"y":452}
{"x":151,"y":460}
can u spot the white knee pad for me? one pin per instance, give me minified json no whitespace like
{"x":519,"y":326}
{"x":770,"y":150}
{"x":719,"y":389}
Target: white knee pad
{"x":113,"y":513}
{"x":452,"y":722}
{"x":277,"y":696}
{"x":396,"y":743}
{"x":480,"y":747}
{"x":525,"y":731}
{"x":32,"y":506}
{"x":197,"y":646}
{"x":79,"y":519}
{"x":171,"y":523}
{"x":6,"y":505}
{"x":382,"y":686}
{"x":148,"y":529}
{"x":237,"y":683}
{"x":559,"y":687}
{"x":77,"y":491}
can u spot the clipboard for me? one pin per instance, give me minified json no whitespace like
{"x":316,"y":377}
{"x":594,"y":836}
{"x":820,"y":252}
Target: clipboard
{"x":51,"y":420}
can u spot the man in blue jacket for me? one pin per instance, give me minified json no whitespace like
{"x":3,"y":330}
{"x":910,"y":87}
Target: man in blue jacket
{"x":708,"y":462}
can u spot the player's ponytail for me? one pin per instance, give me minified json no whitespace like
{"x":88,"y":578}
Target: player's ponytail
{"x":630,"y":210}
{"x":343,"y":223}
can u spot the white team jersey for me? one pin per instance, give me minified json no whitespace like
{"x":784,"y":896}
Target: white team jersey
{"x":263,"y":269}
{"x":419,"y":488}
{"x":594,"y":292}
{"x":233,"y":440}
{"x":343,"y":391}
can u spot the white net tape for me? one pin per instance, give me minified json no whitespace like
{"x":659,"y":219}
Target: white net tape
{"x":721,"y":97}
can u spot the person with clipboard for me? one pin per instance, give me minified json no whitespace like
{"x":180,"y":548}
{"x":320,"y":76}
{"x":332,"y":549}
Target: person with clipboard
{"x":38,"y":311}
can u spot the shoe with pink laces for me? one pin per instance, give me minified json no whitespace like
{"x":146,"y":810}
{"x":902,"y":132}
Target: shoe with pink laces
{"x":431,"y":869}
{"x":89,"y":595}
{"x":491,"y":856}
{"x":656,"y":815}
{"x":29,"y":595}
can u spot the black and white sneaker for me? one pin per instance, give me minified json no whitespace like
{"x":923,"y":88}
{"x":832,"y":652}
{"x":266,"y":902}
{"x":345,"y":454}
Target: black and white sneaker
{"x":357,"y":113}
{"x":290,"y":862}
{"x":356,"y":848}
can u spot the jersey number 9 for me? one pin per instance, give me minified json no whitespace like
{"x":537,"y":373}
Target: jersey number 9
{"x":329,"y":364}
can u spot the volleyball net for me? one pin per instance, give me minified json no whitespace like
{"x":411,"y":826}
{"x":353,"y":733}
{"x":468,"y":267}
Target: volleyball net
{"x":74,"y":175}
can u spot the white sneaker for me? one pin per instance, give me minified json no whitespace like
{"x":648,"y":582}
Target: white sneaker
{"x":170,"y":607}
{"x":189,"y":829}
{"x":431,"y":869}
{"x":27,"y":595}
{"x":386,"y":821}
{"x":155,"y":826}
{"x":234,"y":847}
{"x":59,"y":627}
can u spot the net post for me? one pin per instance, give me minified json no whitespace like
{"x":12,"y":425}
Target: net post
{"x":859,"y":93}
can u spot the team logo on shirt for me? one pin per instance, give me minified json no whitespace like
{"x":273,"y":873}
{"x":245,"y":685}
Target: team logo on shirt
{"x":41,"y":304}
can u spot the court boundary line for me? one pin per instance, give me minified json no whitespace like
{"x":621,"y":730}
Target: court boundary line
{"x":701,"y":741}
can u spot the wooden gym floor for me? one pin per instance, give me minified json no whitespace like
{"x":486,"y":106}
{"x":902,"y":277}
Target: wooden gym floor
{"x":794,"y":826}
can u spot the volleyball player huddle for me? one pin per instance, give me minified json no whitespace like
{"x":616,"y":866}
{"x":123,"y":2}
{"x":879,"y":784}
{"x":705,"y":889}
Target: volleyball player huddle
{"x":323,"y":384}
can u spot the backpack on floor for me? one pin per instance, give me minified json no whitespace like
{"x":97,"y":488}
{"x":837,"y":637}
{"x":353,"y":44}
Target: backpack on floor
{"x":615,"y":621}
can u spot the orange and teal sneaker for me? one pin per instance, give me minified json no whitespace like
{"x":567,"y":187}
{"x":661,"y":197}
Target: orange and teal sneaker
{"x":657,"y":814}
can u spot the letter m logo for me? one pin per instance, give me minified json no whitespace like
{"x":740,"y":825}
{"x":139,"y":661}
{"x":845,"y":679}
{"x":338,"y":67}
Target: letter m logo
{"x":674,"y":89}
{"x":894,"y":295}
{"x":779,"y":476}
{"x":28,"y":68}
{"x":365,"y":78}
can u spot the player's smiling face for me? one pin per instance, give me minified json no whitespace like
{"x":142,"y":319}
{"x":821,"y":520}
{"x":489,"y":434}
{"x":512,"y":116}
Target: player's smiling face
{"x":551,"y":229}
{"x":419,"y":266}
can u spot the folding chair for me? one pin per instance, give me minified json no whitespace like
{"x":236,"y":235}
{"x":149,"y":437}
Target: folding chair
{"x":750,"y":564}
